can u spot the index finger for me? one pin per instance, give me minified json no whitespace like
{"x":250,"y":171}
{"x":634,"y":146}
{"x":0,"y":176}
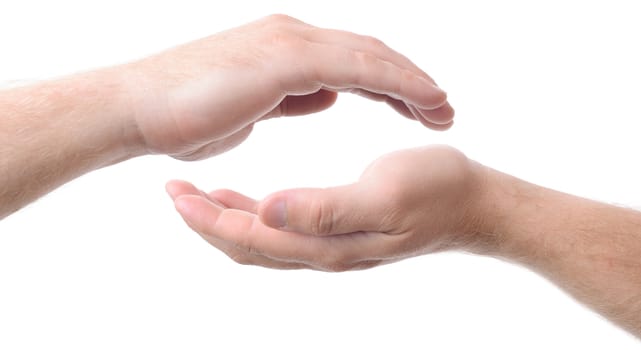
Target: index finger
{"x":338,"y":68}
{"x":363,"y":43}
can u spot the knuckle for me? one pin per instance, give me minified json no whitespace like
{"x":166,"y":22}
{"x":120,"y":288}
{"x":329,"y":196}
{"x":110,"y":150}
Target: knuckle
{"x":408,"y":75}
{"x":407,"y":80}
{"x":374,"y":42}
{"x":279,"y":18}
{"x":366,"y":64}
{"x":279,"y":32}
{"x":286,"y":43}
{"x":364,"y":58}
{"x":321,"y":217}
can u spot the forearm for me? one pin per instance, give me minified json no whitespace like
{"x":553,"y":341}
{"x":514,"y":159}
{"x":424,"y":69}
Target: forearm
{"x":590,"y":249}
{"x":55,"y":131}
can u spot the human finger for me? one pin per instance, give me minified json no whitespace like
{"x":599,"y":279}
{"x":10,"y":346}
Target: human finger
{"x":322,"y":212}
{"x":427,"y":123}
{"x":295,"y":105}
{"x":234,"y":200}
{"x":362,"y":43}
{"x":244,"y":231}
{"x":442,"y":115}
{"x":240,"y":256}
{"x":335,"y":67}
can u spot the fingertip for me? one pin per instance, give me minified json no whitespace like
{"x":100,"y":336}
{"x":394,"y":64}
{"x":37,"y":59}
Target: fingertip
{"x":433,"y":96}
{"x":199,"y":213}
{"x":443,"y":127}
{"x":440,"y":97}
{"x":440,"y":116}
{"x":174,"y":187}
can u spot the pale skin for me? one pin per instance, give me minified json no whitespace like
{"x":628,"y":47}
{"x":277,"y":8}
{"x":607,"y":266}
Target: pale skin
{"x":197,"y":100}
{"x":202,"y":99}
{"x":425,"y":200}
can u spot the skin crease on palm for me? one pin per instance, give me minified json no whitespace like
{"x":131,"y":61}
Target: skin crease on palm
{"x":203,"y":98}
{"x":198,"y":100}
{"x":417,"y":201}
{"x":397,"y":209}
{"x":385,"y":215}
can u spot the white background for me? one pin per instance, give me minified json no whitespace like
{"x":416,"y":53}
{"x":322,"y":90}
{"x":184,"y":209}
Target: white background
{"x":547,"y":91}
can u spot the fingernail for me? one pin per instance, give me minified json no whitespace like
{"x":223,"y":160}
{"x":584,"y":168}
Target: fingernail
{"x":276,"y":214}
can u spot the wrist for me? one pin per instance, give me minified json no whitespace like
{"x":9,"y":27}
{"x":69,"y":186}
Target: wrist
{"x":126,"y":89}
{"x":510,"y":215}
{"x":66,"y":128}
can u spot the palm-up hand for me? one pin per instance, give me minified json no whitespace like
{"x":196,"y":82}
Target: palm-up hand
{"x":405,"y":204}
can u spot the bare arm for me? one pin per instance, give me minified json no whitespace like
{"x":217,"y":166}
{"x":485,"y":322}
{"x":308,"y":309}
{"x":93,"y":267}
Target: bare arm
{"x":55,"y":131}
{"x":418,"y":201}
{"x":590,"y":249}
{"x":197,"y":100}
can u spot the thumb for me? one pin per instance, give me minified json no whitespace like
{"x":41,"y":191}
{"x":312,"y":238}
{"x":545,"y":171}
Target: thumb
{"x":330,"y":211}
